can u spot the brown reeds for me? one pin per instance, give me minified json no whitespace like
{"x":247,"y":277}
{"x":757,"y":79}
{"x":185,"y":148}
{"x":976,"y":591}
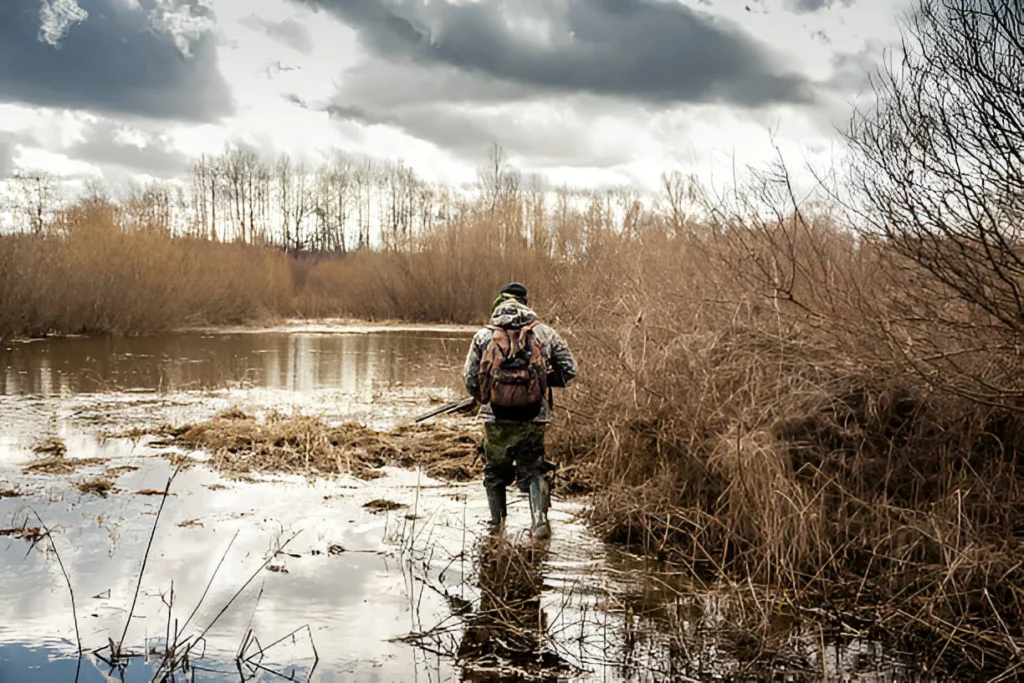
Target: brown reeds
{"x":778,"y":439}
{"x":94,"y":275}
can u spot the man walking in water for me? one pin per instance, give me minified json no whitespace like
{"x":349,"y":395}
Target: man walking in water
{"x":511,"y":365}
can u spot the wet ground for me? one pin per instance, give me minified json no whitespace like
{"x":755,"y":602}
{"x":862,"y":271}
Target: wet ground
{"x":281,"y":578}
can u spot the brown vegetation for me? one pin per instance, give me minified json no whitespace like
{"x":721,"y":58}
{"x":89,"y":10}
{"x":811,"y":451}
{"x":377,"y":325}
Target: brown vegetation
{"x":378,"y":505}
{"x":53,"y":447}
{"x":100,"y":486}
{"x":93,"y":273}
{"x":52,"y":460}
{"x":240,"y":445}
{"x":58,"y":464}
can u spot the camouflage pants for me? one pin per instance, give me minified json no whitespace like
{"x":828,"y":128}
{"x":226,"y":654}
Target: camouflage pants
{"x":513,"y":451}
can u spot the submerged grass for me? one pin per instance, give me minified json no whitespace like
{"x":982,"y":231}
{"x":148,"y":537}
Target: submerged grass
{"x":25,"y":533}
{"x":60,"y":465}
{"x":383,"y":505}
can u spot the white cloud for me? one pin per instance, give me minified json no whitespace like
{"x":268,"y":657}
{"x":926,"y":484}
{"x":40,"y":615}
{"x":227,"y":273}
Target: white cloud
{"x":54,"y":162}
{"x":185,"y":20}
{"x":56,"y":17}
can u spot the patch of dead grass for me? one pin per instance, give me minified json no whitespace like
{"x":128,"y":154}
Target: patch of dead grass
{"x":383,"y":505}
{"x":27,"y":533}
{"x":99,"y":486}
{"x":240,"y":444}
{"x":53,"y":447}
{"x":137,"y":433}
{"x":60,"y":465}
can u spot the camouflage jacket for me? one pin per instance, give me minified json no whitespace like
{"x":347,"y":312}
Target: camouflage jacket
{"x":556,"y":353}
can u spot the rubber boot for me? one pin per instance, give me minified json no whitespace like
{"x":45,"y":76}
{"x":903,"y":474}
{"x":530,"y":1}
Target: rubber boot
{"x":496,"y":501}
{"x":540,"y":501}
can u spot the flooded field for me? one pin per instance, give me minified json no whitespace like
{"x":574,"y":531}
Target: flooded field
{"x":288,"y":577}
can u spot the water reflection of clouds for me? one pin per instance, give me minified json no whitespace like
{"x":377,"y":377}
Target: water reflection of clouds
{"x":353,"y":602}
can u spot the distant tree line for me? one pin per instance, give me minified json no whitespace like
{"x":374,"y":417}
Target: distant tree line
{"x":353,"y":202}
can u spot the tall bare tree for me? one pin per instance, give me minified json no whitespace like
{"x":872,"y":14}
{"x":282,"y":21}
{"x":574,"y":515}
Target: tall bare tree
{"x":206,"y":194}
{"x":38,"y":197}
{"x":939,"y":162}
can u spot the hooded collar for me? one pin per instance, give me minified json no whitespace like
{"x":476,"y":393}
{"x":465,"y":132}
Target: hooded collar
{"x":511,"y":313}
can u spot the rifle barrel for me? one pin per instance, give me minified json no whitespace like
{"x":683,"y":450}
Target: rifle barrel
{"x":447,"y":408}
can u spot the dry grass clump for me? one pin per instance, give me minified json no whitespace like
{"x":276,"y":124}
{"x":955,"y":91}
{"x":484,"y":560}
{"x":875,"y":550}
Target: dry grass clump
{"x":53,"y":447}
{"x":240,"y":444}
{"x":26,"y":533}
{"x":383,"y":505}
{"x":98,"y":486}
{"x":10,"y":493}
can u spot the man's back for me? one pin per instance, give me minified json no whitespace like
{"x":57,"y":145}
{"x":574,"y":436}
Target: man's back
{"x":513,"y":314}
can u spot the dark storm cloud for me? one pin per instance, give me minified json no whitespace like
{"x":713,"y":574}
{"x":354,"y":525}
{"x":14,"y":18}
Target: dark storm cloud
{"x":118,"y":59}
{"x":410,"y":84}
{"x":650,"y":50}
{"x":102,"y":147}
{"x":806,"y":6}
{"x":469,"y":135}
{"x":290,"y":32}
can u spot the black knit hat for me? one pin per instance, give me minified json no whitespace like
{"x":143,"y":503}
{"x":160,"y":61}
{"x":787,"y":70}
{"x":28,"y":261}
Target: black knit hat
{"x":515,"y":289}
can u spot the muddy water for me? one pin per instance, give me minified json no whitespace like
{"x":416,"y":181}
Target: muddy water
{"x":354,"y":594}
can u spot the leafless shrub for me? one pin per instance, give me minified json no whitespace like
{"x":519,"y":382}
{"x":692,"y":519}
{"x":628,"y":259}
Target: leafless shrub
{"x":939,"y":182}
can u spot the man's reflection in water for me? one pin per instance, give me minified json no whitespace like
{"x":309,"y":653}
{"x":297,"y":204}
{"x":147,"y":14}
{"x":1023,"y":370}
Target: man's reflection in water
{"x":504,"y":636}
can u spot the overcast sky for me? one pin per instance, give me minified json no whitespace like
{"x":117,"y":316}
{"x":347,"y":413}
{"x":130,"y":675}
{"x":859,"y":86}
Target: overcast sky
{"x":587,"y":92}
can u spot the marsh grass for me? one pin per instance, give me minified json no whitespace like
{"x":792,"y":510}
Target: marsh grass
{"x":241,"y":444}
{"x":52,"y":447}
{"x":95,"y":275}
{"x":60,"y":465}
{"x":784,"y":443}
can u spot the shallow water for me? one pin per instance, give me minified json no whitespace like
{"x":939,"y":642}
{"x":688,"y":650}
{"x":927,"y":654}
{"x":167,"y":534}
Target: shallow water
{"x":368,"y":596}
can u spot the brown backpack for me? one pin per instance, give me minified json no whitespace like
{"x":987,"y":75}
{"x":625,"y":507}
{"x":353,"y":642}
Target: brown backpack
{"x":513,"y":373}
